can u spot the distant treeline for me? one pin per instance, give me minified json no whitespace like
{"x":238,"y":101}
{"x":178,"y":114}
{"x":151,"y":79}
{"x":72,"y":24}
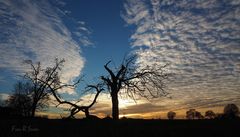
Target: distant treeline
{"x":231,"y":111}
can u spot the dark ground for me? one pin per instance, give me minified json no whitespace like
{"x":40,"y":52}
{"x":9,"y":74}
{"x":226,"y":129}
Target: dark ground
{"x":121,"y":128}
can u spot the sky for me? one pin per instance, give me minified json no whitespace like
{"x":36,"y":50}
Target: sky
{"x":199,"y":39}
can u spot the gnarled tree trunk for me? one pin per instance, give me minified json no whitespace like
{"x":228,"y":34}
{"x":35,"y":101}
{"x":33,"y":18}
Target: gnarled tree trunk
{"x":146,"y":82}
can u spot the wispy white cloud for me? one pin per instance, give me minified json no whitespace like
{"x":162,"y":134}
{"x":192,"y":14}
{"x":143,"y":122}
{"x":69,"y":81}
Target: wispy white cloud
{"x":82,"y":33}
{"x":200,"y":40}
{"x":35,"y":30}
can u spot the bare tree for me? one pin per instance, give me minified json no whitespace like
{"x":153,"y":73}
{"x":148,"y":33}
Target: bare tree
{"x":129,"y":78}
{"x":38,"y":78}
{"x":44,"y":82}
{"x":74,"y":107}
{"x":171,"y":115}
{"x":47,"y":82}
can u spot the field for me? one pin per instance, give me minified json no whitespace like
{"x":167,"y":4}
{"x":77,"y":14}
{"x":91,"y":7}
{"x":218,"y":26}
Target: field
{"x":121,"y":128}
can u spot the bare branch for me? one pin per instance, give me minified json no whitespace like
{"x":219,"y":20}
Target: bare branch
{"x":109,"y":71}
{"x":145,"y":81}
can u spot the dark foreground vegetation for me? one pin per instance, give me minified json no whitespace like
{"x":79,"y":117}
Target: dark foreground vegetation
{"x":126,"y":127}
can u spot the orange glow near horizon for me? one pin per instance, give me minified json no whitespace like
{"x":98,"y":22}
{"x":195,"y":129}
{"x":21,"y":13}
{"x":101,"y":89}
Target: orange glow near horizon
{"x":148,"y":115}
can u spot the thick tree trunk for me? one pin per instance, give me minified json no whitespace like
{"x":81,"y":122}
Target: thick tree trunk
{"x":115,"y":109}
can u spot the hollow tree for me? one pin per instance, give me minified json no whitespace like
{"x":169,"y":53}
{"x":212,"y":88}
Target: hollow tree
{"x":131,"y":79}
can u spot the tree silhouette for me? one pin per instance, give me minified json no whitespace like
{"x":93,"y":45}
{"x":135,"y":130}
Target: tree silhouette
{"x":21,"y":100}
{"x":210,"y":114}
{"x":38,"y":77}
{"x":193,"y":114}
{"x":198,"y":115}
{"x":231,"y":111}
{"x":190,"y":114}
{"x":74,"y":107}
{"x":133,"y":80}
{"x":171,"y":115}
{"x":47,"y":82}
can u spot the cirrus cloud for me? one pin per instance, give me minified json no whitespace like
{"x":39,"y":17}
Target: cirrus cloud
{"x":35,"y":30}
{"x":201,"y":41}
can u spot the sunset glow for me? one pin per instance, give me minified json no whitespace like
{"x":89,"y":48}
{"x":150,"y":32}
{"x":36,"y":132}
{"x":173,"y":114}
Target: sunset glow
{"x":198,"y":40}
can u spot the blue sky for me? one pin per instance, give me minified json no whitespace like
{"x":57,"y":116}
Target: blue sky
{"x":109,"y":34}
{"x":199,"y":39}
{"x":107,"y":37}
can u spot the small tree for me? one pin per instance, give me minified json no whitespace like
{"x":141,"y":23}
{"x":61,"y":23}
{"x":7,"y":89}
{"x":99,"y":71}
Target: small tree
{"x":190,"y":114}
{"x":210,"y":114}
{"x":145,"y":81}
{"x":171,"y":115}
{"x":193,"y":114}
{"x":231,"y":111}
{"x":198,"y":115}
{"x":21,"y":100}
